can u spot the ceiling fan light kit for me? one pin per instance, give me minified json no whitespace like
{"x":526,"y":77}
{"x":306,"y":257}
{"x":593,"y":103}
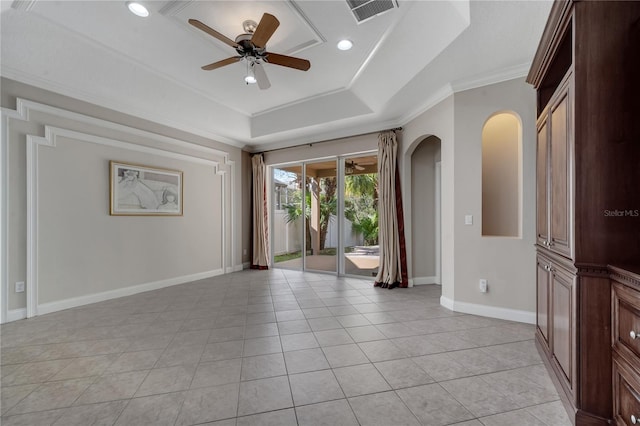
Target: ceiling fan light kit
{"x":250,"y":78}
{"x":252,"y":48}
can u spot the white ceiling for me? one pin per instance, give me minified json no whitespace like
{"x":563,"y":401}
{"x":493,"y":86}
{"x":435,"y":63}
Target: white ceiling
{"x":402,"y":62}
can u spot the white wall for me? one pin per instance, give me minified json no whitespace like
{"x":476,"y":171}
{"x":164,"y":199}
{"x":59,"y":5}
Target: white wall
{"x":350,"y":237}
{"x":287,"y":237}
{"x":58,"y":187}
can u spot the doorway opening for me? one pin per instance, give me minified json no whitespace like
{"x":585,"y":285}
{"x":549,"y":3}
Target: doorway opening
{"x":426,"y":242}
{"x":324,"y":215}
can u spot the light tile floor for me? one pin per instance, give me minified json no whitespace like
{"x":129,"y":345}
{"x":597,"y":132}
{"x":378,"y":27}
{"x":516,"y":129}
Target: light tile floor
{"x":274,"y":348}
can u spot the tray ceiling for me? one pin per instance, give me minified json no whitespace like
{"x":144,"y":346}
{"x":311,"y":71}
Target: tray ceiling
{"x":99,"y":52}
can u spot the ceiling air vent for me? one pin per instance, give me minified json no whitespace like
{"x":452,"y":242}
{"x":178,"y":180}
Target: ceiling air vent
{"x":365,"y":9}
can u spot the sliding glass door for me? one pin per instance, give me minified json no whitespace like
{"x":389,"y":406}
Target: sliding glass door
{"x":330,"y":223}
{"x":322,"y":226}
{"x":360,"y":236}
{"x":288,"y":224}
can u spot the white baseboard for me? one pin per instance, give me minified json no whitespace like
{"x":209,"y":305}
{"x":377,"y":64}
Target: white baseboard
{"x":489,"y":311}
{"x":246,"y":265}
{"x":16,"y":314}
{"x":425,"y":280}
{"x":60,"y":305}
{"x":238,"y":268}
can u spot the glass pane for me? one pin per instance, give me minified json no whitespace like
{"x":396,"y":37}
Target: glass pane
{"x":361,"y":249}
{"x":322,"y":226}
{"x":287,"y":217}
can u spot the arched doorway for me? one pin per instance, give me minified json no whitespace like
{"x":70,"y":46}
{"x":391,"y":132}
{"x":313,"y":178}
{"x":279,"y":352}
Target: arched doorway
{"x":425,"y":211}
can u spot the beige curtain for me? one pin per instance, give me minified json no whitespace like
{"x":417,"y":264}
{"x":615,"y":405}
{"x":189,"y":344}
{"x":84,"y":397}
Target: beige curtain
{"x":392,"y":270}
{"x":260,"y":215}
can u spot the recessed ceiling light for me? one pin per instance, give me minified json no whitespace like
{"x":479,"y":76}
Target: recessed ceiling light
{"x":345,"y":44}
{"x":137,"y":9}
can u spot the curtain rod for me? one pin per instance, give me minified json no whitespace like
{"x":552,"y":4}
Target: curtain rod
{"x":395,"y":129}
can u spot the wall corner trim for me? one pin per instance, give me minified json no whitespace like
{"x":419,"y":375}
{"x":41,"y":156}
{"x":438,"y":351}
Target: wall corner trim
{"x":60,"y":305}
{"x":528,"y":317}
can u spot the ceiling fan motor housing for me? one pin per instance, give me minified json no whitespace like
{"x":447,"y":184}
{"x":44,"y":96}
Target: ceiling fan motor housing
{"x":247,"y":48}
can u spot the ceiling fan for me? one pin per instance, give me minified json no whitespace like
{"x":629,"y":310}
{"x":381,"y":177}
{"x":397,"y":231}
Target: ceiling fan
{"x":251,"y":47}
{"x":351,"y":167}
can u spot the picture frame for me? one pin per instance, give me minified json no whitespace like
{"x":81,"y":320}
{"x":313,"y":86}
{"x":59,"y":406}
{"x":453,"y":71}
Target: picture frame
{"x":138,"y":190}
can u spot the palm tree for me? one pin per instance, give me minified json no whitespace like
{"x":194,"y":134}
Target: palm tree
{"x":328,"y":207}
{"x":363,"y":185}
{"x":361,"y":205}
{"x":294,"y":212}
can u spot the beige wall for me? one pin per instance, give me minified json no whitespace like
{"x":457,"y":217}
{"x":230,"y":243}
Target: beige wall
{"x":507,"y":263}
{"x":501,"y":152}
{"x":423,"y":194}
{"x":331,"y":148}
{"x":83,"y":253}
{"x":437,"y":121}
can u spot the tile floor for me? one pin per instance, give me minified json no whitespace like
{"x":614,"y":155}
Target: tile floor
{"x":274,"y":348}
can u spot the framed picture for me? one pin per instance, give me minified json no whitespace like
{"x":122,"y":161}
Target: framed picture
{"x":144,"y":191}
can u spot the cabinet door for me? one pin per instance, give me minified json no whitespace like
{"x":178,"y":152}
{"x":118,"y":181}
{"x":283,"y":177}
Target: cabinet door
{"x":542,"y":311}
{"x":542,"y":189}
{"x":560,"y":226}
{"x":564,"y":334}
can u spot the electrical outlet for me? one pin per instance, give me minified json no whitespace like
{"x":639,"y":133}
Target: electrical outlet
{"x":20,"y":287}
{"x":244,"y":252}
{"x":468,"y":219}
{"x":483,"y":285}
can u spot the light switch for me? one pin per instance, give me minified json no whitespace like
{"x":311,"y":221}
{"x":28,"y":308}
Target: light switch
{"x":468,"y":219}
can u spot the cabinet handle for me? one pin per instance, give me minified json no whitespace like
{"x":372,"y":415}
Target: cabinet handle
{"x":633,"y":334}
{"x":634,"y":420}
{"x":551,"y":244}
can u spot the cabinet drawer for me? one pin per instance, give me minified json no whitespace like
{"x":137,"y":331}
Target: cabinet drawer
{"x":626,"y":393}
{"x":626,"y":319}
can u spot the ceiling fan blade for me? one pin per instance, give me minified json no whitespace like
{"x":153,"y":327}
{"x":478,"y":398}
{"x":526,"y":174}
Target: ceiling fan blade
{"x":207,"y":29}
{"x":288,"y":61}
{"x":222,"y":63}
{"x":265,"y":29}
{"x":358,"y":167}
{"x":261,"y":77}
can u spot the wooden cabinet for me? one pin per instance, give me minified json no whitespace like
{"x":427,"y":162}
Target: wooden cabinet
{"x":556,"y":318}
{"x":554,"y":172}
{"x":625,"y":339}
{"x":586,"y":72}
{"x":543,"y":294}
{"x":564,"y":323}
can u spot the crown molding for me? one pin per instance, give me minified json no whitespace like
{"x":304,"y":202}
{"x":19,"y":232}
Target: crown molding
{"x":491,"y":77}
